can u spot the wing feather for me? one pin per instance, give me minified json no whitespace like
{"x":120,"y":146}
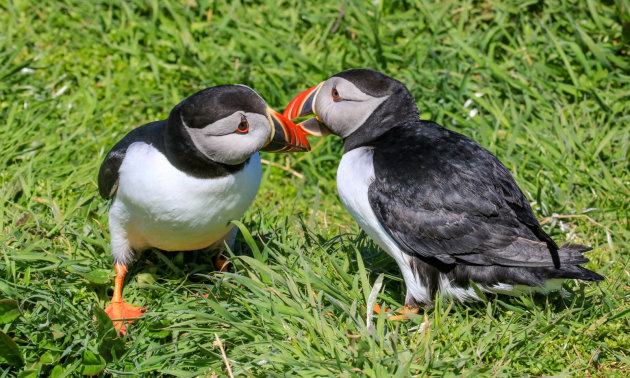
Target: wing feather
{"x":441,"y":195}
{"x":108,"y":176}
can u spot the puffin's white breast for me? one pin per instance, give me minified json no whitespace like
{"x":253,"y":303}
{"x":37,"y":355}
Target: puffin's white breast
{"x":354,"y":176}
{"x":160,"y":206}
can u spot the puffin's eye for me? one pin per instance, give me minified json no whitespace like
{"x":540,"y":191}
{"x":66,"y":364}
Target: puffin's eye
{"x":243,"y":126}
{"x":335,"y":95}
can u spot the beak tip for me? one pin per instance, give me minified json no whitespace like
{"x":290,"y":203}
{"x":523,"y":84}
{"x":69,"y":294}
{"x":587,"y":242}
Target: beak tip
{"x":287,"y":137}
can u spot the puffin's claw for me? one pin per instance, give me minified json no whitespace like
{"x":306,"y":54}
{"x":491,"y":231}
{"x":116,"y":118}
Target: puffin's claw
{"x":120,"y":313}
{"x":405,"y":310}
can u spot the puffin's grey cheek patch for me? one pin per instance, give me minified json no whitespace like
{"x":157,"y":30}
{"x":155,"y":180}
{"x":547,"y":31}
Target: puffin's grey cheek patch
{"x":345,"y":116}
{"x":235,"y":147}
{"x":223,"y":126}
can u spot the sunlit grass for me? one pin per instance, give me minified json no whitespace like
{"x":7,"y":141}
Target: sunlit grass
{"x":543,"y":85}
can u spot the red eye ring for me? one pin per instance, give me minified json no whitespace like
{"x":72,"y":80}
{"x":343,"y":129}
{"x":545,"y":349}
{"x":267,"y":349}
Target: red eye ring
{"x":243,"y":126}
{"x":335,"y":94}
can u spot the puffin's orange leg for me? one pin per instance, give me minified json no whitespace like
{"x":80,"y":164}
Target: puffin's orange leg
{"x":406,"y":310}
{"x":221,"y":264}
{"x":118,"y":310}
{"x":378,"y":309}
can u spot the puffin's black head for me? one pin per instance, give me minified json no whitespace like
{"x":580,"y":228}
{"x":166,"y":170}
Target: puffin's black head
{"x":359,"y":102}
{"x":229,"y":123}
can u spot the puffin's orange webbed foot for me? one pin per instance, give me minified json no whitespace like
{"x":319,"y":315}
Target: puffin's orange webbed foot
{"x":121,"y":314}
{"x":406,"y":310}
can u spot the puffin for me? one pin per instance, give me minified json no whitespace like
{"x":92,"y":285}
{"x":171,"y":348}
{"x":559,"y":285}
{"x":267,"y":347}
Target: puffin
{"x":442,"y":206}
{"x":176,"y":184}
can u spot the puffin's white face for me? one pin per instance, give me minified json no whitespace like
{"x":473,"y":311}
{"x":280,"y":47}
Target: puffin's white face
{"x":233,"y":139}
{"x":229,"y":123}
{"x":351,"y":100}
{"x":342,"y":107}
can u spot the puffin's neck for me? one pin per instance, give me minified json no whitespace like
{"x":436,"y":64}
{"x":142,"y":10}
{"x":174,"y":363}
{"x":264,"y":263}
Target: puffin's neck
{"x":182,"y":153}
{"x":400,"y":108}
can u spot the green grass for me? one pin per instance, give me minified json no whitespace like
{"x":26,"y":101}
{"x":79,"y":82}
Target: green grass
{"x":543,"y":85}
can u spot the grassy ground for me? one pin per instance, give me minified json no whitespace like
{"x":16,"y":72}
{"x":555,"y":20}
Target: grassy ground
{"x":544,"y":85}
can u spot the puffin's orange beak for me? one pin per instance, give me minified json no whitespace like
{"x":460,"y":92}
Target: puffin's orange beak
{"x":285,"y":136}
{"x":303,"y":105}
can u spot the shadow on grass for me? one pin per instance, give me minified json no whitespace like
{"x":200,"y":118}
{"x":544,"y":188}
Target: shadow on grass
{"x":377,"y":262}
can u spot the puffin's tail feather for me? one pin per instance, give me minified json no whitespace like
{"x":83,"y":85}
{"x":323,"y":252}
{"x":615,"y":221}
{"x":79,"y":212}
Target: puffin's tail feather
{"x":589,"y":275}
{"x":528,"y":253}
{"x":573,"y":271}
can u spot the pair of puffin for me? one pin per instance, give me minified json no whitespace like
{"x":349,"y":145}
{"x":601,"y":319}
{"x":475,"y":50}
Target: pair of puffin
{"x":176,"y":184}
{"x":442,"y":206}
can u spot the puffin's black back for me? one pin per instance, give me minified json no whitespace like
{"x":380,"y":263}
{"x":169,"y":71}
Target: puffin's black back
{"x":454,"y":208}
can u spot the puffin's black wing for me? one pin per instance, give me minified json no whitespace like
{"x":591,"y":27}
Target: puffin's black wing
{"x":441,"y":196}
{"x":151,"y":133}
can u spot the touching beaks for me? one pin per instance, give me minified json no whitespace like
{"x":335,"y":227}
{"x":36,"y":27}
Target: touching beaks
{"x":285,"y":136}
{"x":303,"y":105}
